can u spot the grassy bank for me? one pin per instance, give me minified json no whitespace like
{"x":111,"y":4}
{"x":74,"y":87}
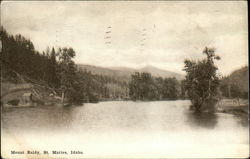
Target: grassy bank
{"x":239,"y":108}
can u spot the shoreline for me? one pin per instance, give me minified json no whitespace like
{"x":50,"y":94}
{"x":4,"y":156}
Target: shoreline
{"x":241,"y":112}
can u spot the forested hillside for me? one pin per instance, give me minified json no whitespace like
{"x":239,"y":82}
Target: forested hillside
{"x":124,"y":76}
{"x":147,"y":83}
{"x":124,"y":73}
{"x":236,"y":85}
{"x":54,"y":69}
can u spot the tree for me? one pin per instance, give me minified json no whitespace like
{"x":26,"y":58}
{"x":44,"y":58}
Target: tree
{"x":67,"y":73}
{"x":134,"y":88}
{"x":183,"y":90}
{"x":159,"y":87}
{"x":53,"y":66}
{"x":170,"y":88}
{"x":145,"y":87}
{"x":202,"y":81}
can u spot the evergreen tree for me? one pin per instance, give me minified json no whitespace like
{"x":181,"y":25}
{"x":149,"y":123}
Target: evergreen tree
{"x":53,"y":66}
{"x":67,"y":73}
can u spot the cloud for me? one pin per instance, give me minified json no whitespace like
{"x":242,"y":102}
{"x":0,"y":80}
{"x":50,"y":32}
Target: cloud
{"x":173,"y":32}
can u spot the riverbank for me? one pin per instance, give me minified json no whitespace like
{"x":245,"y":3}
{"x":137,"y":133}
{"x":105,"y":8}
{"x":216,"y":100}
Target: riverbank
{"x":238,"y":108}
{"x":233,"y":106}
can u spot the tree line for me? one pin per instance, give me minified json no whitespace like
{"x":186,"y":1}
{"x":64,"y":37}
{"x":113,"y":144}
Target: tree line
{"x":145,"y":87}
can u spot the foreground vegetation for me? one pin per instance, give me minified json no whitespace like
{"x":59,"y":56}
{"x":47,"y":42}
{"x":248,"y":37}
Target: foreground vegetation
{"x":202,"y":81}
{"x":205,"y":87}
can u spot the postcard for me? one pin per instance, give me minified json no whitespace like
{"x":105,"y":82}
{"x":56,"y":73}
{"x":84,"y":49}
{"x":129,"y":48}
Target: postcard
{"x":124,"y":79}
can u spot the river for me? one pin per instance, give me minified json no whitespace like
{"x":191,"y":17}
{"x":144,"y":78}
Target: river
{"x":124,"y":129}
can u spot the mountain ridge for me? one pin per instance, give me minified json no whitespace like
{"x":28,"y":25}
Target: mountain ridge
{"x":126,"y":72}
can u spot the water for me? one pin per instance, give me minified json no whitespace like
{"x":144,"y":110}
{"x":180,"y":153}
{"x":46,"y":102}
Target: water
{"x":124,"y":129}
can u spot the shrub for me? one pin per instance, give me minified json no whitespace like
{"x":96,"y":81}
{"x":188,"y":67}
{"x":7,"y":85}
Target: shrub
{"x":14,"y":102}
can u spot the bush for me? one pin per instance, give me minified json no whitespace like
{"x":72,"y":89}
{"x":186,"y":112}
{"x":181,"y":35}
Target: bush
{"x":14,"y":102}
{"x":93,"y":99}
{"x":38,"y":102}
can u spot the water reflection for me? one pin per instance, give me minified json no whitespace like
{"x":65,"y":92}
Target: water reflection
{"x":162,"y":127}
{"x":59,"y":119}
{"x":201,"y":119}
{"x":38,"y":118}
{"x":127,"y":116}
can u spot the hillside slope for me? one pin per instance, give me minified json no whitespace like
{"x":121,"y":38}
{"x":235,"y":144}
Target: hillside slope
{"x":161,"y":73}
{"x":125,"y":73}
{"x":239,"y":77}
{"x":118,"y":74}
{"x":236,"y":84}
{"x":14,"y":91}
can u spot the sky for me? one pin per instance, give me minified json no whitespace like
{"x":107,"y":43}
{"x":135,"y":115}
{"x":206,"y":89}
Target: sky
{"x":135,"y":33}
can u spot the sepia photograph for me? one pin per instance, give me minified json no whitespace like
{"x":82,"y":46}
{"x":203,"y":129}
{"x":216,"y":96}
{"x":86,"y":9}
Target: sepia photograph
{"x":124,"y":79}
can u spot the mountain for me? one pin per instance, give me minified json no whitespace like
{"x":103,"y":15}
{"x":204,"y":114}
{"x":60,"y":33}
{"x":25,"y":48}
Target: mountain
{"x":118,"y":74}
{"x":161,"y":73}
{"x":125,"y":73}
